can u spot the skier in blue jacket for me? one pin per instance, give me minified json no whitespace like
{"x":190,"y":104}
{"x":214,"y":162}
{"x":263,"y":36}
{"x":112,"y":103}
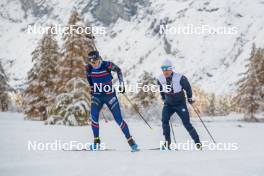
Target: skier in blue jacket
{"x":99,"y":76}
{"x":172,"y":87}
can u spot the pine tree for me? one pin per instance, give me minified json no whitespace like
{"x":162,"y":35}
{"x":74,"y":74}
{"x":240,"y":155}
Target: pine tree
{"x":4,"y":98}
{"x":71,"y":108}
{"x":146,"y":99}
{"x":250,"y":93}
{"x":75,"y":49}
{"x":201,"y":100}
{"x":259,"y":76}
{"x":40,"y":91}
{"x":211,"y":110}
{"x":71,"y":105}
{"x":224,"y":106}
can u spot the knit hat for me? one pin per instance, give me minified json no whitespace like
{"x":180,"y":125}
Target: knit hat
{"x":167,"y":65}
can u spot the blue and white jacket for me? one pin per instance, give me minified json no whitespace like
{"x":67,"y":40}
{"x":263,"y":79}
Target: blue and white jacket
{"x":172,"y":89}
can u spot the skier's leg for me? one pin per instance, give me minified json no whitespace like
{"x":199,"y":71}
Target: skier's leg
{"x":96,"y":106}
{"x":167,"y":112}
{"x":114,"y":107}
{"x":183,"y":113}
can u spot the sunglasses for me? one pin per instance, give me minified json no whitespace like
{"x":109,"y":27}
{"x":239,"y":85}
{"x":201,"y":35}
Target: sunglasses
{"x":92,"y":62}
{"x":91,"y":59}
{"x":166,"y":68}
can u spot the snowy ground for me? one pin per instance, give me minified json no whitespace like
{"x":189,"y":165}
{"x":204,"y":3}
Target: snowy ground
{"x":15,"y":159}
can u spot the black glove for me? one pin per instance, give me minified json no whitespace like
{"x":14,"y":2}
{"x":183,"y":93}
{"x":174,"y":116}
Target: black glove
{"x":191,"y":101}
{"x":122,"y":89}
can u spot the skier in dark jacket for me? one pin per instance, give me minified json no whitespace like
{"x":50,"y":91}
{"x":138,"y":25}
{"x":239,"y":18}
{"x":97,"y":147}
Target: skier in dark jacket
{"x":99,"y":76}
{"x":172,"y":87}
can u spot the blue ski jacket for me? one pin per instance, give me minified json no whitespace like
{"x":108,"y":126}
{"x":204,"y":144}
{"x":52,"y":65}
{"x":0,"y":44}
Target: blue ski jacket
{"x":102,"y":75}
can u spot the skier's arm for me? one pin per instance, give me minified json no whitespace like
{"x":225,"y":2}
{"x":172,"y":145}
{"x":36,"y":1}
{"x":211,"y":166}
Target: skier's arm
{"x":162,"y":94}
{"x":89,"y":79}
{"x":186,"y":86}
{"x":115,"y":68}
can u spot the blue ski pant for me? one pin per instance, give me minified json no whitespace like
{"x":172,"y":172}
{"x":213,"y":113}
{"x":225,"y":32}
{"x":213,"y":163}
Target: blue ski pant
{"x":183,"y":113}
{"x":112,"y":103}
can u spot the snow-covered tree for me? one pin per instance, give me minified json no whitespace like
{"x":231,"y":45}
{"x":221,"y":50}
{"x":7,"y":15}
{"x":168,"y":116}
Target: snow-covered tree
{"x":75,"y":48}
{"x":220,"y":105}
{"x":211,"y":110}
{"x":259,"y":76}
{"x":40,"y":91}
{"x":71,"y":108}
{"x":4,"y":98}
{"x":250,"y":89}
{"x":145,"y":99}
{"x":224,"y":105}
{"x":201,"y":100}
{"x":71,"y":105}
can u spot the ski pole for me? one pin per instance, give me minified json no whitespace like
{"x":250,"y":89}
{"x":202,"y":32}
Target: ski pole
{"x":94,"y":43}
{"x":137,"y":111}
{"x":203,"y":123}
{"x":173,"y":132}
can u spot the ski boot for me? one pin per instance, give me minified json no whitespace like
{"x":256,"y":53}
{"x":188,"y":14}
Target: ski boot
{"x":166,"y":145}
{"x":133,"y":145}
{"x":96,"y":145}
